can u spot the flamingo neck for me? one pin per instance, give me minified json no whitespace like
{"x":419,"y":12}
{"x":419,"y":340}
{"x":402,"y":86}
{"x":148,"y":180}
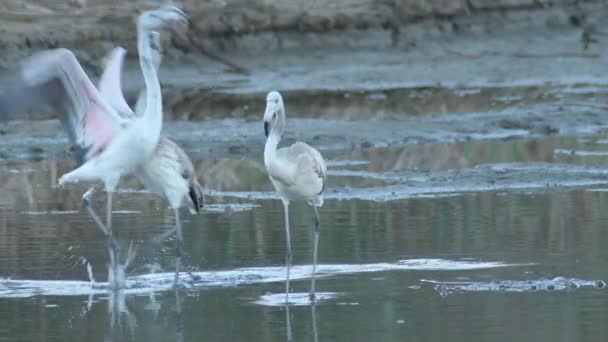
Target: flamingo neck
{"x":270,"y":149}
{"x":276,"y":132}
{"x":154,"y":110}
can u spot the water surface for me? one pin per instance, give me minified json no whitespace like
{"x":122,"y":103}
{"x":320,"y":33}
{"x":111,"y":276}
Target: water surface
{"x":481,"y":241}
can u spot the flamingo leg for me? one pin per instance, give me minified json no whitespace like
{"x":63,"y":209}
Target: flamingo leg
{"x":110,"y":242}
{"x":114,"y":279}
{"x":288,"y":323}
{"x":179,"y":320}
{"x":315,"y":253}
{"x":313,"y":312}
{"x":288,"y":256}
{"x":109,"y":214}
{"x":179,"y":245}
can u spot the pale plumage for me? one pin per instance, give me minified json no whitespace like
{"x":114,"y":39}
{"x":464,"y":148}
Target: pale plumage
{"x":90,"y":122}
{"x":110,"y":83}
{"x":298,"y":172}
{"x":170,"y":173}
{"x":167,"y":171}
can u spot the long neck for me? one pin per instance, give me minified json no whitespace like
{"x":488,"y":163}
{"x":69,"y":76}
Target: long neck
{"x":276,"y":132}
{"x":270,"y":149}
{"x":155,"y":49}
{"x":154,"y":102}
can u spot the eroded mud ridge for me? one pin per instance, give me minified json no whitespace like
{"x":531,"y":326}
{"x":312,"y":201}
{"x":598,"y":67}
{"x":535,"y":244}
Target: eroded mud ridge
{"x":467,"y":50}
{"x":74,"y":22}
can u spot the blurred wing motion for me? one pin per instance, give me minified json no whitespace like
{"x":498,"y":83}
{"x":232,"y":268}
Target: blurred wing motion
{"x":110,"y":85}
{"x":168,"y":172}
{"x":55,"y":78}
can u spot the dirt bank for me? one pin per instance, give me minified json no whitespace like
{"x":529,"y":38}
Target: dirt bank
{"x":39,"y":24}
{"x":442,"y":53}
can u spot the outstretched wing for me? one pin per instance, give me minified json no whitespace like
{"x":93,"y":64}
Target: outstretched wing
{"x":55,"y":78}
{"x":110,"y":85}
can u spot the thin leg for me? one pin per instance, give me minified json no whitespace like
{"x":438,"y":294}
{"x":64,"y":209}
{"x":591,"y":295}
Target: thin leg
{"x":288,"y":323}
{"x":107,"y":232}
{"x":313,"y":312}
{"x":179,"y":245}
{"x":86,"y":203}
{"x":179,"y":320}
{"x":109,"y":214}
{"x":116,"y":281}
{"x":288,"y":255}
{"x":315,"y":249}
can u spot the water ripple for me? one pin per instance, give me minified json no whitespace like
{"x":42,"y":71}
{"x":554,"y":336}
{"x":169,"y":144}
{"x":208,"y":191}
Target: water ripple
{"x":555,"y":284}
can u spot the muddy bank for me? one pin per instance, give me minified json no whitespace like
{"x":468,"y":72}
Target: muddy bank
{"x":479,"y":62}
{"x":221,"y":29}
{"x":40,"y":23}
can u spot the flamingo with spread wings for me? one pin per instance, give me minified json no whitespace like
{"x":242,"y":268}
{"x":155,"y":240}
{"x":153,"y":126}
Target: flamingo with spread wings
{"x":108,"y":139}
{"x":167,"y":171}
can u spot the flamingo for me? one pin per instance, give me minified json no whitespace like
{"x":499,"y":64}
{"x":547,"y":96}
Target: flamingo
{"x":108,"y":139}
{"x":168,"y":171}
{"x":297,"y":172}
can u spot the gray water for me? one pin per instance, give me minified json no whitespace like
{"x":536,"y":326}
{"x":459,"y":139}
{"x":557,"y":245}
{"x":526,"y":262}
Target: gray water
{"x":481,"y":240}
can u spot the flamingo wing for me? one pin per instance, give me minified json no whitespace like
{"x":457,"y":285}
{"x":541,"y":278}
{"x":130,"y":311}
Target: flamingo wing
{"x":110,"y":85}
{"x":307,"y":159}
{"x":56,"y":79}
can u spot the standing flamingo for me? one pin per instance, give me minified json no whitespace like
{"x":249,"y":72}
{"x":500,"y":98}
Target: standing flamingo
{"x":108,"y":140}
{"x":297,"y":172}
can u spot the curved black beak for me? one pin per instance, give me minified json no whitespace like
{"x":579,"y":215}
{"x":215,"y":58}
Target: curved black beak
{"x":266,"y":129}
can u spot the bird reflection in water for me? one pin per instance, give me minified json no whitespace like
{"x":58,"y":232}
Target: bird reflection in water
{"x":123,"y":321}
{"x":313,"y":318}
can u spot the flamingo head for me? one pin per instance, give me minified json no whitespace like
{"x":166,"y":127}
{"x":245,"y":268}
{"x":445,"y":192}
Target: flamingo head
{"x":158,"y":18}
{"x":274,"y":115}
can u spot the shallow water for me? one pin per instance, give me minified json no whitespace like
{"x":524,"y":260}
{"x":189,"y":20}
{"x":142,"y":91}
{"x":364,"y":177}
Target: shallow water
{"x":441,"y":241}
